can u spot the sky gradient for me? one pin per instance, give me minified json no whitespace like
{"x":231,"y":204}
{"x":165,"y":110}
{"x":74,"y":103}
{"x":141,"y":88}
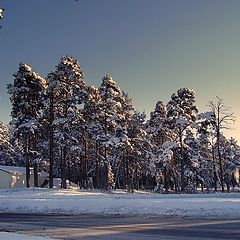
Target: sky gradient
{"x":150,"y":47}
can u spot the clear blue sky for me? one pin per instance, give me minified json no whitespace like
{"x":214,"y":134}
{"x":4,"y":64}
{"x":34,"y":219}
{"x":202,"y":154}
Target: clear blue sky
{"x":150,"y":47}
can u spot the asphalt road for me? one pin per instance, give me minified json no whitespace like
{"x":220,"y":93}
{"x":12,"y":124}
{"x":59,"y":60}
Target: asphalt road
{"x":113,"y":227}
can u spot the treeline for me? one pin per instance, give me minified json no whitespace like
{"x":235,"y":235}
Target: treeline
{"x":94,"y":137}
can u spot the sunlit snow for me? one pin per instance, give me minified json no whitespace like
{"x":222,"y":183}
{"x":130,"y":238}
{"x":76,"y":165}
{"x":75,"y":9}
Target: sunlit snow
{"x":75,"y":201}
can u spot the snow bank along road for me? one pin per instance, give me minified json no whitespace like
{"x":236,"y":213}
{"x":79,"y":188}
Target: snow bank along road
{"x":74,"y":202}
{"x":17,"y":236}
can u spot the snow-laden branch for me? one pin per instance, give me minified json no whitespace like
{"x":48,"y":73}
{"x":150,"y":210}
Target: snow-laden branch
{"x":1,"y":13}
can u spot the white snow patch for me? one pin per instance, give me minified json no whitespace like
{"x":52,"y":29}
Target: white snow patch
{"x":1,"y":13}
{"x":17,"y":236}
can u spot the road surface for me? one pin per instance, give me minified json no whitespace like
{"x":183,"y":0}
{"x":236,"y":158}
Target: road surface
{"x":114,"y":227}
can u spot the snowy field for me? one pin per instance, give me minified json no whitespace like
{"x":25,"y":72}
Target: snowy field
{"x":74,"y":201}
{"x":16,"y":236}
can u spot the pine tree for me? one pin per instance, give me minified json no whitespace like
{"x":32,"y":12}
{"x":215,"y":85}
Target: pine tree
{"x":159,"y":133}
{"x":122,"y":144}
{"x":26,"y":98}
{"x":10,"y":154}
{"x":110,"y":105}
{"x":92,"y":116}
{"x":194,"y":161}
{"x":140,"y":153}
{"x":231,"y":160}
{"x":65,"y":93}
{"x":181,"y":112}
{"x":206,"y":138}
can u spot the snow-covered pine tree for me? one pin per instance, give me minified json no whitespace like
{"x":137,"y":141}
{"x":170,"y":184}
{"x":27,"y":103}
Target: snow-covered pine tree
{"x":159,"y":133}
{"x":194,"y":161}
{"x":26,"y":99}
{"x":110,"y":116}
{"x":230,"y":151}
{"x":65,"y":94}
{"x":6,"y":149}
{"x":10,"y":154}
{"x":207,"y":138}
{"x":92,"y":115}
{"x":140,"y":153}
{"x":121,"y":142}
{"x":181,"y":113}
{"x":157,"y":124}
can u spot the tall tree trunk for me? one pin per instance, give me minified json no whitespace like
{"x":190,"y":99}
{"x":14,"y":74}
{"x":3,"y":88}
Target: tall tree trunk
{"x":228,"y":182}
{"x":51,"y":136}
{"x":233,"y":180}
{"x":27,"y":162}
{"x":63,"y":168}
{"x":214,"y":170}
{"x":35,"y":170}
{"x":97,"y":166}
{"x":27,"y":173}
{"x":196,"y":181}
{"x":165,"y":179}
{"x":182,"y":185}
{"x":136,"y":178}
{"x":105,"y":152}
{"x":79,"y":172}
{"x":35,"y":164}
{"x":84,"y":162}
{"x":106,"y":184}
{"x":177,"y":190}
{"x":220,"y":159}
{"x":68,"y":170}
{"x":127,"y":172}
{"x":117,"y":183}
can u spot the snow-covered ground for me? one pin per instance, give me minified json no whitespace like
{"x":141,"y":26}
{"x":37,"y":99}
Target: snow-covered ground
{"x":16,"y":236}
{"x":74,"y":201}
